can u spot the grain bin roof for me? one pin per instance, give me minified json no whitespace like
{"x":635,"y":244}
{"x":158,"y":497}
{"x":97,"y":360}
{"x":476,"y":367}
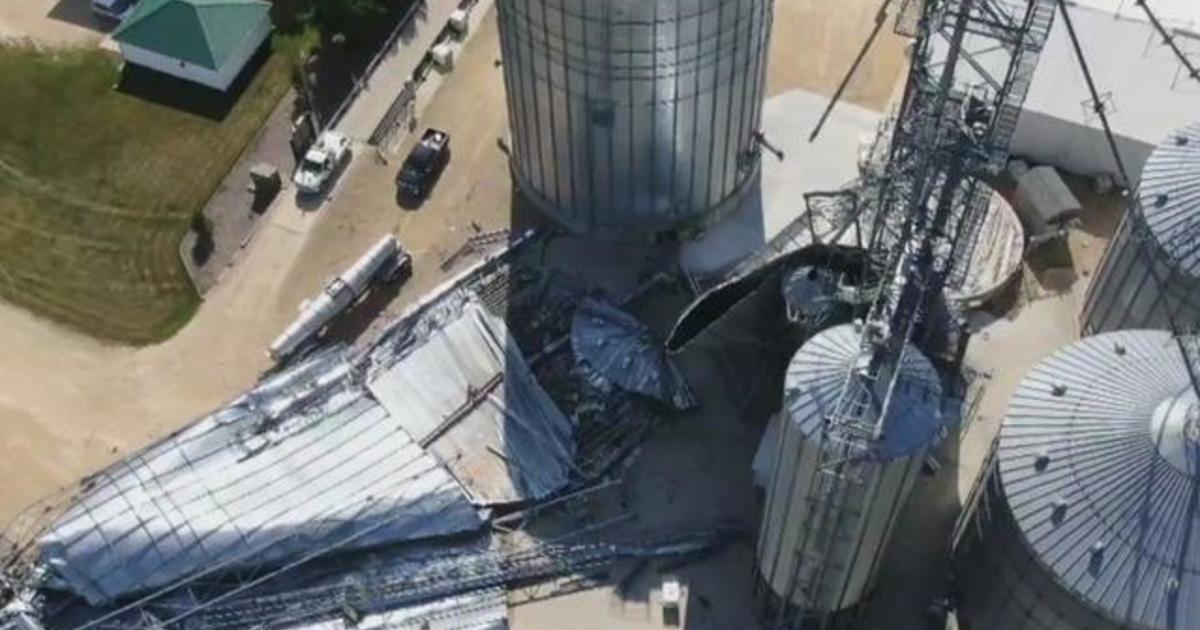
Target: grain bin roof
{"x":1169,"y":196}
{"x":817,"y":374}
{"x":1097,"y":458}
{"x":202,"y":32}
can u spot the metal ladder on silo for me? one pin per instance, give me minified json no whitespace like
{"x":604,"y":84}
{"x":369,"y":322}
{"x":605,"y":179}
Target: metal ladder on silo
{"x":844,"y":443}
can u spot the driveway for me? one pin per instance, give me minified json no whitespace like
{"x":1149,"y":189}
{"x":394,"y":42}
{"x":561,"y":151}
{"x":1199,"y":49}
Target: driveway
{"x":52,"y":22}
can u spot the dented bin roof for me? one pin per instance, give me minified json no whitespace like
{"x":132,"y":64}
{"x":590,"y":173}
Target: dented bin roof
{"x":1098,"y":462}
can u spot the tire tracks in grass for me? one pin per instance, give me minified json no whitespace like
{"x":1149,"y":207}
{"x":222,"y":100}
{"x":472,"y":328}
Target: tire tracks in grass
{"x":46,"y":189}
{"x":123,"y":246}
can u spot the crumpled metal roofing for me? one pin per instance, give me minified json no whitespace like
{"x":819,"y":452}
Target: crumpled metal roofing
{"x":304,"y":460}
{"x":817,"y":374}
{"x":810,"y":296}
{"x":1097,"y":462}
{"x":1169,"y":197}
{"x":464,"y":390}
{"x":623,"y":350}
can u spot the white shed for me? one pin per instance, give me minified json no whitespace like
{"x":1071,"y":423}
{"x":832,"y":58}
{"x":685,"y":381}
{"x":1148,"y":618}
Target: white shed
{"x":203,"y":41}
{"x":1142,"y":83}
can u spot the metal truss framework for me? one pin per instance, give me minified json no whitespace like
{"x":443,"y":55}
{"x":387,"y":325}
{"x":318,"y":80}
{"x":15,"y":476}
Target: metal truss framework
{"x":954,"y":126}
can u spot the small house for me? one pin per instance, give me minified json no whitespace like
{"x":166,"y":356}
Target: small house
{"x":203,"y":41}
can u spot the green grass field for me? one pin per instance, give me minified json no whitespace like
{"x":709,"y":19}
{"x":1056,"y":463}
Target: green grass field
{"x":98,"y":185}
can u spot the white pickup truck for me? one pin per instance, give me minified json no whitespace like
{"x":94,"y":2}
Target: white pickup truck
{"x":321,"y":161}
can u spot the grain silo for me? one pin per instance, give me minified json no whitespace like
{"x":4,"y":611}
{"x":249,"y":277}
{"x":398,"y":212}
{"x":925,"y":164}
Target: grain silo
{"x":1088,"y":517}
{"x":821,"y":543}
{"x":1151,"y":272}
{"x":634,"y":120}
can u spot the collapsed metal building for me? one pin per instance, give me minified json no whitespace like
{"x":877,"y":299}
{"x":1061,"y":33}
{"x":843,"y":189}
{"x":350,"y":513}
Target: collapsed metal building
{"x":635,"y":120}
{"x":356,"y":486}
{"x":1150,"y":274}
{"x":1087,"y":515}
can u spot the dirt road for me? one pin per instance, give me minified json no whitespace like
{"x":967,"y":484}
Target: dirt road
{"x":69,"y":404}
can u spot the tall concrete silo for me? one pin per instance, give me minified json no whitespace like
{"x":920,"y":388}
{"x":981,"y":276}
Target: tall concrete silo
{"x":1151,"y":271}
{"x":820,"y":545}
{"x":634,"y":120}
{"x":1088,"y":517}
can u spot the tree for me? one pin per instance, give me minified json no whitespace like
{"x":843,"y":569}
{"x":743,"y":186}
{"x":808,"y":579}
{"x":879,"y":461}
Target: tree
{"x":347,"y":16}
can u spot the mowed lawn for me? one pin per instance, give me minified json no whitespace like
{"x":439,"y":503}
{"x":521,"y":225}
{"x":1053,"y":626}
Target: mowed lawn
{"x":98,"y":187}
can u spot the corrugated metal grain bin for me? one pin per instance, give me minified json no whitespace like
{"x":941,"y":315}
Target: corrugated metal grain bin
{"x":635,"y":120}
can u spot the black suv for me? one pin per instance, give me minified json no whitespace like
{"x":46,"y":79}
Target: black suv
{"x":424,"y":164}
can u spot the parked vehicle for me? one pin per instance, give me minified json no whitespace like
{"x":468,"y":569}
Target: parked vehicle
{"x":386,"y":261}
{"x":424,"y":164}
{"x":114,"y":10}
{"x":321,"y":161}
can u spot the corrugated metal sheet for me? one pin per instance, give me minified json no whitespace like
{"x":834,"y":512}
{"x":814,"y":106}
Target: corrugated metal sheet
{"x":623,"y":350}
{"x":305,"y":460}
{"x":1097,"y":461}
{"x":630,"y":117}
{"x":817,"y":374}
{"x":1169,"y":197}
{"x":465,"y":391}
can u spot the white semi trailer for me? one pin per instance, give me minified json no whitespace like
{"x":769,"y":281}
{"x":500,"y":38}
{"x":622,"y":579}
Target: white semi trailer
{"x":385,"y":261}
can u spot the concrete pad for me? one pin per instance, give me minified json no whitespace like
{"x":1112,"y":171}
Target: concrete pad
{"x":828,"y":163}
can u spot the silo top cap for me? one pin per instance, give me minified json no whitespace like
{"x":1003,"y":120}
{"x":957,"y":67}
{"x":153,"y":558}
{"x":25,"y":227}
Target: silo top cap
{"x":1175,"y":430}
{"x":1101,"y":450}
{"x":818,"y":374}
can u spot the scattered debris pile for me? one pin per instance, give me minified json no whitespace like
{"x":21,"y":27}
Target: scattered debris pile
{"x":353,"y":487}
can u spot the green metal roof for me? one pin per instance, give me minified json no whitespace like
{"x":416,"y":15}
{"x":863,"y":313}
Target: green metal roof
{"x":202,"y":32}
